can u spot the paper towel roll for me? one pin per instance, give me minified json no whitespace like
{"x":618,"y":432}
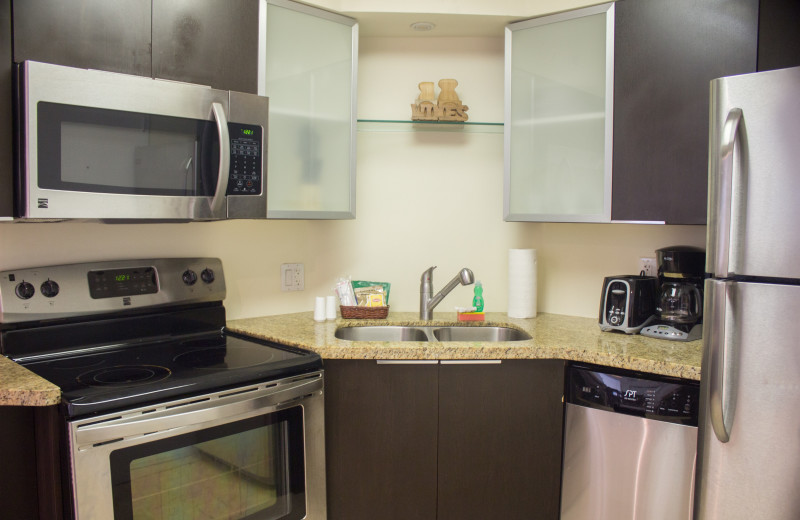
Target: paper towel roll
{"x":521,"y":283}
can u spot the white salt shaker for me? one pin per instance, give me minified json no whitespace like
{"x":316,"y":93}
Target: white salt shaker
{"x":330,"y":307}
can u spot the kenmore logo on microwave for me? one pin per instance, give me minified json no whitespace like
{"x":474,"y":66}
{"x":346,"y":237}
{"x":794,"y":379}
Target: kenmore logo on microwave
{"x":42,"y":203}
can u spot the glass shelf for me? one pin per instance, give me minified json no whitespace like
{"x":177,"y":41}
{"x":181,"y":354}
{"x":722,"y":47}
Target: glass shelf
{"x":386,"y":125}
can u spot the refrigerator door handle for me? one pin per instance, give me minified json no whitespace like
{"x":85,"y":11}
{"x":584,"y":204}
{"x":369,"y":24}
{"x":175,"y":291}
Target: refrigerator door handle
{"x":718,"y":349}
{"x":723,"y":170}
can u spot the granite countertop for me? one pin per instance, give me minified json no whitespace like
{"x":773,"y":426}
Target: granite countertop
{"x":21,"y":387}
{"x":554,"y":336}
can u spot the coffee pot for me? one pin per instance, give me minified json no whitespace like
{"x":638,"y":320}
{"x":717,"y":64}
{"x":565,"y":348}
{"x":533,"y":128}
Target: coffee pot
{"x":679,"y":302}
{"x":679,"y":307}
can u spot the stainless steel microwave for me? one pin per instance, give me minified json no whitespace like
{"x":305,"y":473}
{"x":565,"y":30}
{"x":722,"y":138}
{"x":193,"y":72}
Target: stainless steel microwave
{"x":108,"y":146}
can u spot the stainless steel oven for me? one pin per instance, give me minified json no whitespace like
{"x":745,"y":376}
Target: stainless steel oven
{"x":234,"y":454}
{"x":164,"y":413}
{"x":102,"y":145}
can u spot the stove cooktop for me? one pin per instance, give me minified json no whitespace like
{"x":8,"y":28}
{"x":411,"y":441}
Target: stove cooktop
{"x":138,"y":374}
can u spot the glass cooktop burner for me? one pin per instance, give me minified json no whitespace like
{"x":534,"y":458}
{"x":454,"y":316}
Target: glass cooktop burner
{"x":121,"y":377}
{"x":76,"y":363}
{"x":124,"y":375}
{"x":226,"y":358}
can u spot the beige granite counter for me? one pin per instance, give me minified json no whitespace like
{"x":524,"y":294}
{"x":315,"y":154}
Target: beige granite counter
{"x":20,"y":387}
{"x":553,"y":337}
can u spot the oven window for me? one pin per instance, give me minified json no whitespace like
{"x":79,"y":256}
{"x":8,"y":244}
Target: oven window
{"x":111,"y":151}
{"x":251,"y":469}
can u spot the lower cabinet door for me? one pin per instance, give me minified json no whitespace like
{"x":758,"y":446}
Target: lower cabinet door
{"x":500,"y":435}
{"x":450,"y":441}
{"x":380,"y":437}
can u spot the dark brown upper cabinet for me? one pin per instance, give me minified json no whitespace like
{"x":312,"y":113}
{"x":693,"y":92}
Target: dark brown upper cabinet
{"x":208,"y":42}
{"x":89,"y":34}
{"x":665,"y":54}
{"x":778,"y":39}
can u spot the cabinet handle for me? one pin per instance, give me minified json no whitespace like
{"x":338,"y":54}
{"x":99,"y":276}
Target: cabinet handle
{"x":224,"y":159}
{"x":407,"y":361}
{"x":471,"y":361}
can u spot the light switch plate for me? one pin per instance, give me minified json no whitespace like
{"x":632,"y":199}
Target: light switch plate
{"x":292,"y":277}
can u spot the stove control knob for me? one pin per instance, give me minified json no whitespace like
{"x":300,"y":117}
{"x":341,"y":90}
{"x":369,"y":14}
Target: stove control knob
{"x":49,"y":288}
{"x":207,"y":275}
{"x":189,"y":277}
{"x":25,"y":290}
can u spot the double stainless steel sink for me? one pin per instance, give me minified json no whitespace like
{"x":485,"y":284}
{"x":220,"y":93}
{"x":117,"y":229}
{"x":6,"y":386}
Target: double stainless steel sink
{"x":432,"y":333}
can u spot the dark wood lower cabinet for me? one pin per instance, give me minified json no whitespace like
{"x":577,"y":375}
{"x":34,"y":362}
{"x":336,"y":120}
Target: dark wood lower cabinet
{"x":380,"y":439}
{"x":500,"y":435}
{"x":443,"y":441}
{"x":30,"y":460}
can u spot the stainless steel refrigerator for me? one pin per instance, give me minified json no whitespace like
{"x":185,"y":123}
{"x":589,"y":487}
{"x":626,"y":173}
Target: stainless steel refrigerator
{"x":748,"y":463}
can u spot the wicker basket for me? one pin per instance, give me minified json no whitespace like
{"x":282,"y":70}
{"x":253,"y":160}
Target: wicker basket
{"x":367,"y":313}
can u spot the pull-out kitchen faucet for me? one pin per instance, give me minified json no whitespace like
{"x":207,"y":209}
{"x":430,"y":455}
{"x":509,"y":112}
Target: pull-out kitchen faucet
{"x":427,"y":301}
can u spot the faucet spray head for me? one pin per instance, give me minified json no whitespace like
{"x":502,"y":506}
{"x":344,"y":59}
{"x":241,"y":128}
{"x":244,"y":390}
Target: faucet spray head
{"x":466,"y":276}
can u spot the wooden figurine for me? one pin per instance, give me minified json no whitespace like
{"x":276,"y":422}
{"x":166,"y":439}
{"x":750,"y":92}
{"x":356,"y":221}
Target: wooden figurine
{"x":424,"y":108}
{"x":450,"y":107}
{"x":447,"y":108}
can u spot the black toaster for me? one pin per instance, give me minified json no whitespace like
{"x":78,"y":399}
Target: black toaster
{"x":628,"y":302}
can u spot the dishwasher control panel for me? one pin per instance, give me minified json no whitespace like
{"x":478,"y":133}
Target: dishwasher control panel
{"x":654,"y":397}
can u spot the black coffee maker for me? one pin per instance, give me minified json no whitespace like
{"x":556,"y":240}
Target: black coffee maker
{"x":679,"y":307}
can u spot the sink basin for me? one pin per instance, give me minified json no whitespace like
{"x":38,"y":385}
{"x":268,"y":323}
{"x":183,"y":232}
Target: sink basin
{"x":382,"y":333}
{"x":450,"y":333}
{"x":479,"y":334}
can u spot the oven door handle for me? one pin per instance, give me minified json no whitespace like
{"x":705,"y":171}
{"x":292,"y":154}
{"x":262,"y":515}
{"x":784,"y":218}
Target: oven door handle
{"x":196,"y":413}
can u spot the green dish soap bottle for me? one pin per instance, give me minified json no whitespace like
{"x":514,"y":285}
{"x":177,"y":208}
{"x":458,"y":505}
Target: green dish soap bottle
{"x":477,"y":300}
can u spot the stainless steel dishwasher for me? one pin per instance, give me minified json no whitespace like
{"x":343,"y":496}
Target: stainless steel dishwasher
{"x":630,"y":442}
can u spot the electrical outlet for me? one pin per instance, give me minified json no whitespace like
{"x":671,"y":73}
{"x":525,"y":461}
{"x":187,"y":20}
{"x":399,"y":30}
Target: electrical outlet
{"x":292,"y":277}
{"x":647,"y":266}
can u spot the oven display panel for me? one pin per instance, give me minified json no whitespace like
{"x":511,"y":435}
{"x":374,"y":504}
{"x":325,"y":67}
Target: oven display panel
{"x":122,"y":282}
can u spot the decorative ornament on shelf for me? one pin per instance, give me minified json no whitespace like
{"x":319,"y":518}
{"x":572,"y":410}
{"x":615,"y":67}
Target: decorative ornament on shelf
{"x":447,"y":108}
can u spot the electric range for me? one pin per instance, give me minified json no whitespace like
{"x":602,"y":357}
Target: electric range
{"x":147,"y":370}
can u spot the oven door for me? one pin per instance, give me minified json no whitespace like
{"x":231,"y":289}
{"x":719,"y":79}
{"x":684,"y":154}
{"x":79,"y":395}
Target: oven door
{"x":254,"y":452}
{"x":102,"y":145}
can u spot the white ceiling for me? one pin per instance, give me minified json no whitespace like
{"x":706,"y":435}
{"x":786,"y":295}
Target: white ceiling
{"x":399,"y":24}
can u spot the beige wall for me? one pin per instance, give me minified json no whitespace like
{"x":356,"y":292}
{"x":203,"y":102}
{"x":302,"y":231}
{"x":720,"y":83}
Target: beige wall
{"x":424,"y":198}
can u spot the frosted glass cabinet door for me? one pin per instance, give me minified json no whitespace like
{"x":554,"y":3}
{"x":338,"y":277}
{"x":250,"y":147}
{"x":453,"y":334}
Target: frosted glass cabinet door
{"x":308,"y":70}
{"x":558,"y":121}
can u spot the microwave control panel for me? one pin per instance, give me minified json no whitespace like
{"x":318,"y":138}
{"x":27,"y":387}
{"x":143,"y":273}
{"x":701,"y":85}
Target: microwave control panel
{"x":246,"y":172}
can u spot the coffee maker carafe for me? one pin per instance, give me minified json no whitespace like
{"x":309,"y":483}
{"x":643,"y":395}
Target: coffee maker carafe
{"x":679,"y":308}
{"x":679,"y":302}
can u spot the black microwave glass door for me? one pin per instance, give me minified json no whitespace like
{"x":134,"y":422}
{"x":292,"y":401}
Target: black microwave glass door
{"x":111,"y":151}
{"x":250,"y":469}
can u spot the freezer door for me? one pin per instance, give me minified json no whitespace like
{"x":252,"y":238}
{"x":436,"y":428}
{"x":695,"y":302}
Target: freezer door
{"x":754,"y":175}
{"x":749,"y":437}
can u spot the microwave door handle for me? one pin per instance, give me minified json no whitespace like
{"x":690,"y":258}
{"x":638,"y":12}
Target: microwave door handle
{"x":224,"y":160}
